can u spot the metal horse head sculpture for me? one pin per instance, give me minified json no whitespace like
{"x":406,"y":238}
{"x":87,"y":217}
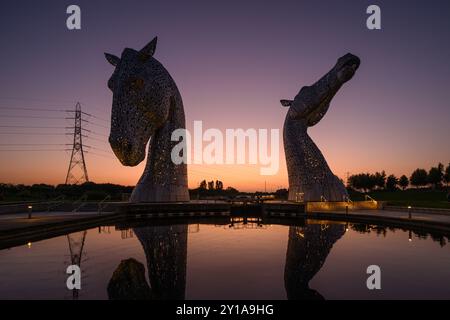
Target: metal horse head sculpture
{"x":147,"y":106}
{"x":309,"y":175}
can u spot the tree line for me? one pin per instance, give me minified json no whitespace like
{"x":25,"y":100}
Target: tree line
{"x":93,"y":191}
{"x":97,"y":191}
{"x":435,"y":177}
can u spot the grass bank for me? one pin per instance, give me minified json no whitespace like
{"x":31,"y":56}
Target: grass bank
{"x":425,"y":198}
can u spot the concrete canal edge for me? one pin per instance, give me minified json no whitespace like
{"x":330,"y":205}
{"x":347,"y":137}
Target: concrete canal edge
{"x":39,"y":231}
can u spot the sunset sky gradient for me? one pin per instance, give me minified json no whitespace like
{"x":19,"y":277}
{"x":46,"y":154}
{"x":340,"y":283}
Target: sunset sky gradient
{"x":232,"y":61}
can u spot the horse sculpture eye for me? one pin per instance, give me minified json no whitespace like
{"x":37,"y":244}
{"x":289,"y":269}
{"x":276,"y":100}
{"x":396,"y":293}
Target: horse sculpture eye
{"x":137,"y":83}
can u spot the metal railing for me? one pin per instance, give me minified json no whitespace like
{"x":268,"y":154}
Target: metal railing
{"x":102,"y":205}
{"x":347,"y":199}
{"x":56,"y":202}
{"x":80,"y":203}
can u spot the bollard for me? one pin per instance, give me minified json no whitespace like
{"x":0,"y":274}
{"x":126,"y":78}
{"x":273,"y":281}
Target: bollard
{"x":30,"y":209}
{"x":409,"y":212}
{"x":346,"y":209}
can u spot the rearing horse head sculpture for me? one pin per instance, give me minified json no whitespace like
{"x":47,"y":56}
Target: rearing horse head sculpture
{"x":310,"y":178}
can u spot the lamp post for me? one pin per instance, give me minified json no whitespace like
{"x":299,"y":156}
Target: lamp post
{"x":409,"y":212}
{"x":30,"y":209}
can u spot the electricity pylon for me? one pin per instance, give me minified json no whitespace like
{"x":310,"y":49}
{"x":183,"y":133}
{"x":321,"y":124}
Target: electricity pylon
{"x":77,"y":157}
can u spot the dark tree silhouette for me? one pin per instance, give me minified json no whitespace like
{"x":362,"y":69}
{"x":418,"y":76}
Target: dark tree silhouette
{"x":380,"y":179}
{"x":362,"y":181}
{"x":219,"y":185}
{"x":203,"y":185}
{"x":436,"y":175}
{"x":447,"y":175}
{"x":391,"y":183}
{"x":419,"y":178}
{"x":403,"y":182}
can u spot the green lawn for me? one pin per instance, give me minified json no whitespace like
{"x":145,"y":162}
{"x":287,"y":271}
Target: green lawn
{"x":412,"y":197}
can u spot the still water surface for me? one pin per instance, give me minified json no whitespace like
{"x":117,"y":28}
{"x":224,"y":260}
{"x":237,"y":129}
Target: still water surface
{"x":319,"y":260}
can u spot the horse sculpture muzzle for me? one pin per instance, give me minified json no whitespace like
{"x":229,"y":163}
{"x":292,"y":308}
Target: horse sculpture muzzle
{"x":127,"y":153}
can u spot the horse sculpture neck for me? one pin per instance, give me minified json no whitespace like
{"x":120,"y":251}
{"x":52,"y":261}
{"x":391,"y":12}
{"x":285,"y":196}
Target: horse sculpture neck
{"x":163,"y":180}
{"x":310,"y":177}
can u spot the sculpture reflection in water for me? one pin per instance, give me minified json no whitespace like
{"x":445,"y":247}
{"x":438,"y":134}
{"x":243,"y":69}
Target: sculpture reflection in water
{"x":308,"y":248}
{"x":165,"y":250}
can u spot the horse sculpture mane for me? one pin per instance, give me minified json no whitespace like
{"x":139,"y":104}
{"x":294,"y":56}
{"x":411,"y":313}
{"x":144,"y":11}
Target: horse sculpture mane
{"x":147,"y":106}
{"x":310,"y":178}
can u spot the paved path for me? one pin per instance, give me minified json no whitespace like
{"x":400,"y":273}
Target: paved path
{"x":439,"y":218}
{"x":423,"y":221}
{"x":20,"y":220}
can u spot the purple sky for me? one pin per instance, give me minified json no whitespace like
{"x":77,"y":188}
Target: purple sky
{"x":233,"y":61}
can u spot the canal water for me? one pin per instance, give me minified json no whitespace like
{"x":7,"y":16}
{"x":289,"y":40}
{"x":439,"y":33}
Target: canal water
{"x":316,"y":260}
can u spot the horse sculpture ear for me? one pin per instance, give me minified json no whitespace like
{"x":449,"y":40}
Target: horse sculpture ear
{"x":150,"y":48}
{"x":286,"y":103}
{"x":112,"y":59}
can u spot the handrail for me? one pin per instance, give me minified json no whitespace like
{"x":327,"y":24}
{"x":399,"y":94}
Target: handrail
{"x":100,"y":204}
{"x":367,"y":197}
{"x":81,"y":201}
{"x":56,"y":202}
{"x":347,"y":199}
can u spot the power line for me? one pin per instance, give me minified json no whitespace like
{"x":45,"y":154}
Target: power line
{"x":100,"y":118}
{"x":95,"y":124}
{"x":30,"y":117}
{"x":33,"y":109}
{"x":33,"y":127}
{"x":93,"y":116}
{"x":99,"y":155}
{"x":60,"y":109}
{"x":98,"y":149}
{"x":38,"y":100}
{"x":34,"y":144}
{"x":33,"y":150}
{"x":96,"y":133}
{"x":34,"y":133}
{"x":88,"y":137}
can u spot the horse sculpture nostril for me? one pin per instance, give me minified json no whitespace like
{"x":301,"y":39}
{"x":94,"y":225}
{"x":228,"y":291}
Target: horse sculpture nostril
{"x":128,"y":147}
{"x":120,"y":145}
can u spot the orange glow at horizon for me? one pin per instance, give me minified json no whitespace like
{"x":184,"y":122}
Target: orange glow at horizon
{"x":51,"y":168}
